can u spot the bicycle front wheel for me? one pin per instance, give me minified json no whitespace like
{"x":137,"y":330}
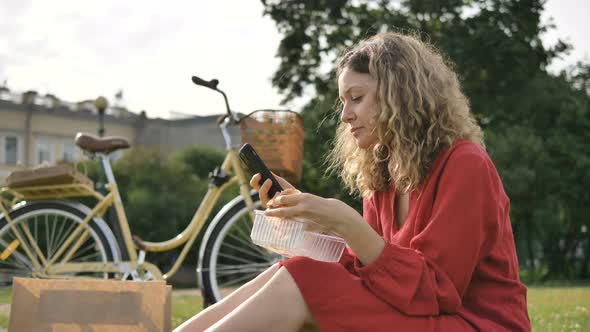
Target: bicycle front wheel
{"x":229,"y":258}
{"x":50,"y":223}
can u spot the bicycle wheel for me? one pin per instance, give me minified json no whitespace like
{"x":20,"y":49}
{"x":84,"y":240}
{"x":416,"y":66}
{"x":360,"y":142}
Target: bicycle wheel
{"x":228,"y":258}
{"x":50,"y":224}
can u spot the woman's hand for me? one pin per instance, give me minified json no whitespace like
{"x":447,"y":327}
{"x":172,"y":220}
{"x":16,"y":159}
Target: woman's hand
{"x":263,"y":189}
{"x":331,"y":214}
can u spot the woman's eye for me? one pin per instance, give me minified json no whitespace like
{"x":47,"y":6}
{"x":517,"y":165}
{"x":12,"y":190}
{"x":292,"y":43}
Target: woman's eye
{"x":356,"y":99}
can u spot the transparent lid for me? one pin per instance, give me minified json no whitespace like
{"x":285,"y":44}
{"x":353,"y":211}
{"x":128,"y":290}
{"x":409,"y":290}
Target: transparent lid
{"x":291,"y":237}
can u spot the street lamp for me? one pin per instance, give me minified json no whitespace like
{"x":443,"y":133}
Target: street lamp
{"x":101,"y":104}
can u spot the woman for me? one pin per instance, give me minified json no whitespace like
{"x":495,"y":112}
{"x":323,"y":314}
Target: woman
{"x":434,"y":249}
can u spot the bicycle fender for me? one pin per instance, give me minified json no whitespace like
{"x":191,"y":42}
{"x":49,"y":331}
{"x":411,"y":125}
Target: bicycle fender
{"x":14,"y":207}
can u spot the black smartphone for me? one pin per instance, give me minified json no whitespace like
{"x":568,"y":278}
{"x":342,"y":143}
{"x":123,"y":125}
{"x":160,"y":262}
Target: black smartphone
{"x":255,"y":165}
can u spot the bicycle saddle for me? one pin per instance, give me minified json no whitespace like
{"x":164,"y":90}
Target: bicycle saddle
{"x":95,"y":144}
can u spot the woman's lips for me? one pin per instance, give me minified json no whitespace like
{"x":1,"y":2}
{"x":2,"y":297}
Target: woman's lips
{"x":355,"y":130}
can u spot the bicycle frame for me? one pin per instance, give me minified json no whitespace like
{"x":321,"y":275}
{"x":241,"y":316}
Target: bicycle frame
{"x":59,"y":264}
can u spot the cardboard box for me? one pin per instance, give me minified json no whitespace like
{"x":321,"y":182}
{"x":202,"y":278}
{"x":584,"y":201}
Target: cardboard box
{"x":75,"y":305}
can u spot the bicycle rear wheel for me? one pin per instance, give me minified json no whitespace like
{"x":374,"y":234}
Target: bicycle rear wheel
{"x":50,"y":223}
{"x":229,"y":259}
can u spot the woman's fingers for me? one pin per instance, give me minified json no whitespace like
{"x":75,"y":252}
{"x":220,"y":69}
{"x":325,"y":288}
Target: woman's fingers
{"x":263,"y":192}
{"x":262,"y":189}
{"x":282,"y":212}
{"x":255,"y":181}
{"x":284,"y":183}
{"x":278,"y":201}
{"x":288,"y":198}
{"x":288,"y":205}
{"x":290,"y":191}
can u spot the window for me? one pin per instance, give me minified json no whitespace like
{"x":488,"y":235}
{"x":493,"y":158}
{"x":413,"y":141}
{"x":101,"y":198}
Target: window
{"x":69,"y":152}
{"x":44,"y":148}
{"x":10,"y":150}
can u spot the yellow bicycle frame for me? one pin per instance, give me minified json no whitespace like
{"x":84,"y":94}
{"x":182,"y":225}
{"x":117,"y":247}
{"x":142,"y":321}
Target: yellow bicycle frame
{"x":59,"y":264}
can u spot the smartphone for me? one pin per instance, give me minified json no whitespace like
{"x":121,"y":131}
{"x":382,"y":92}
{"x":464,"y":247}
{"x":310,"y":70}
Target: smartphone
{"x":255,"y":165}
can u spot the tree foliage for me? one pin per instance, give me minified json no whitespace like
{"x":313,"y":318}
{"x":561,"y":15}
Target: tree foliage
{"x":536,"y":123}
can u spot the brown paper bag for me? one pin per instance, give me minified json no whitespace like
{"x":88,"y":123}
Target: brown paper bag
{"x":74,"y":305}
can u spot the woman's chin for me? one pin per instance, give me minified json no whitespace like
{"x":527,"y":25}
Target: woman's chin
{"x":364,"y":143}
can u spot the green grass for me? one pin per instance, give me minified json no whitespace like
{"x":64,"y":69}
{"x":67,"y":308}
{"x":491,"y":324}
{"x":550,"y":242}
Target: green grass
{"x":5,"y":298}
{"x":184,"y":307}
{"x":5,"y":295}
{"x":557,"y":308}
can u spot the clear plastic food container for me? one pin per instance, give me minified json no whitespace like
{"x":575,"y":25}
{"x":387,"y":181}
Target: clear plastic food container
{"x":290,"y":237}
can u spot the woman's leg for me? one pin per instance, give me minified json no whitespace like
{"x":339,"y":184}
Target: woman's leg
{"x":212,"y":314}
{"x":277,"y":306}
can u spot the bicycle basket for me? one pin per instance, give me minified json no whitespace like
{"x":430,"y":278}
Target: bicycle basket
{"x":277,"y":136}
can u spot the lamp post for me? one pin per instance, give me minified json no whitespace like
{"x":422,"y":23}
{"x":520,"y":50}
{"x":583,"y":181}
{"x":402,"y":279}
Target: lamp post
{"x":101,"y":104}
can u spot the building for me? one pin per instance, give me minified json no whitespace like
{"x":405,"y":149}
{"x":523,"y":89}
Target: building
{"x":37,"y":129}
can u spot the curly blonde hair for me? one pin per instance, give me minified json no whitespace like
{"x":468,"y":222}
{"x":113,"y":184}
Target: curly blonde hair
{"x":420,"y":109}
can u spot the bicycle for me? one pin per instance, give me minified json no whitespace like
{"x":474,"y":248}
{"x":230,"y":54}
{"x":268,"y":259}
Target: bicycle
{"x":44,"y":234}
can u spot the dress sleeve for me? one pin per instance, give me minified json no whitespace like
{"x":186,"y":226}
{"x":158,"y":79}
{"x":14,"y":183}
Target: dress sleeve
{"x":431,"y":276}
{"x":370,"y":215}
{"x":347,"y":260}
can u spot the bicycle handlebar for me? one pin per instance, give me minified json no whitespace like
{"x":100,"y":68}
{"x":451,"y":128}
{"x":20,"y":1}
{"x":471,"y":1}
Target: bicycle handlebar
{"x":212,"y":84}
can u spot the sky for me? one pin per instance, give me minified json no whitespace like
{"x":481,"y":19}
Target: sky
{"x":78,"y":50}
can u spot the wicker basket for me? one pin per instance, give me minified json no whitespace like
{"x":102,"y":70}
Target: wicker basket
{"x":277,"y":136}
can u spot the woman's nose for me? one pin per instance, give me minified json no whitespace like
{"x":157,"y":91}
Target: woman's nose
{"x":347,"y":114}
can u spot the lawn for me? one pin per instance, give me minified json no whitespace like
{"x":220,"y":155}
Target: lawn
{"x":559,"y":308}
{"x":550,"y":308}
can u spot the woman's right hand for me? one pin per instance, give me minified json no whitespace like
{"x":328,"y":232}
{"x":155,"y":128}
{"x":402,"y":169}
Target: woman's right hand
{"x":263,"y":189}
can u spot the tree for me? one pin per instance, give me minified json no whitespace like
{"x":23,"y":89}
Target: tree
{"x":201,"y":159}
{"x":536,"y":123}
{"x":159,"y":194}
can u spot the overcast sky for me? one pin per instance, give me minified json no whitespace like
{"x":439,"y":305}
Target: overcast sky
{"x":82,"y":49}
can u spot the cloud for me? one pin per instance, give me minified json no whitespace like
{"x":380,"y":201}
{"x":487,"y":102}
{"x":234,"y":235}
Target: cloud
{"x":12,"y":9}
{"x":150,"y":49}
{"x":79,"y":50}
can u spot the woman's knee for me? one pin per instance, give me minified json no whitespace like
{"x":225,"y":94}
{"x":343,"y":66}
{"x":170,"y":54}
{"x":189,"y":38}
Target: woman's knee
{"x":283,"y":286}
{"x":251,"y":287}
{"x":285,"y":283}
{"x":267,"y":274}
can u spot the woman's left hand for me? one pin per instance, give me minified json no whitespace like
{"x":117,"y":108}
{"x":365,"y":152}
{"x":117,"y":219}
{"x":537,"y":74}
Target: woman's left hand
{"x":331,"y":214}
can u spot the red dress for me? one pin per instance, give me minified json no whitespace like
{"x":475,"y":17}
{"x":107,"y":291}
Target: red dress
{"x":451,"y":267}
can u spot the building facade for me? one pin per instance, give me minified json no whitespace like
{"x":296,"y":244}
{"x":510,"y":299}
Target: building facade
{"x":38,"y":130}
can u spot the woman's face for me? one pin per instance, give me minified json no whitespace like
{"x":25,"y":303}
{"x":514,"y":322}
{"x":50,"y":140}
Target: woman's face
{"x":358,"y":94}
